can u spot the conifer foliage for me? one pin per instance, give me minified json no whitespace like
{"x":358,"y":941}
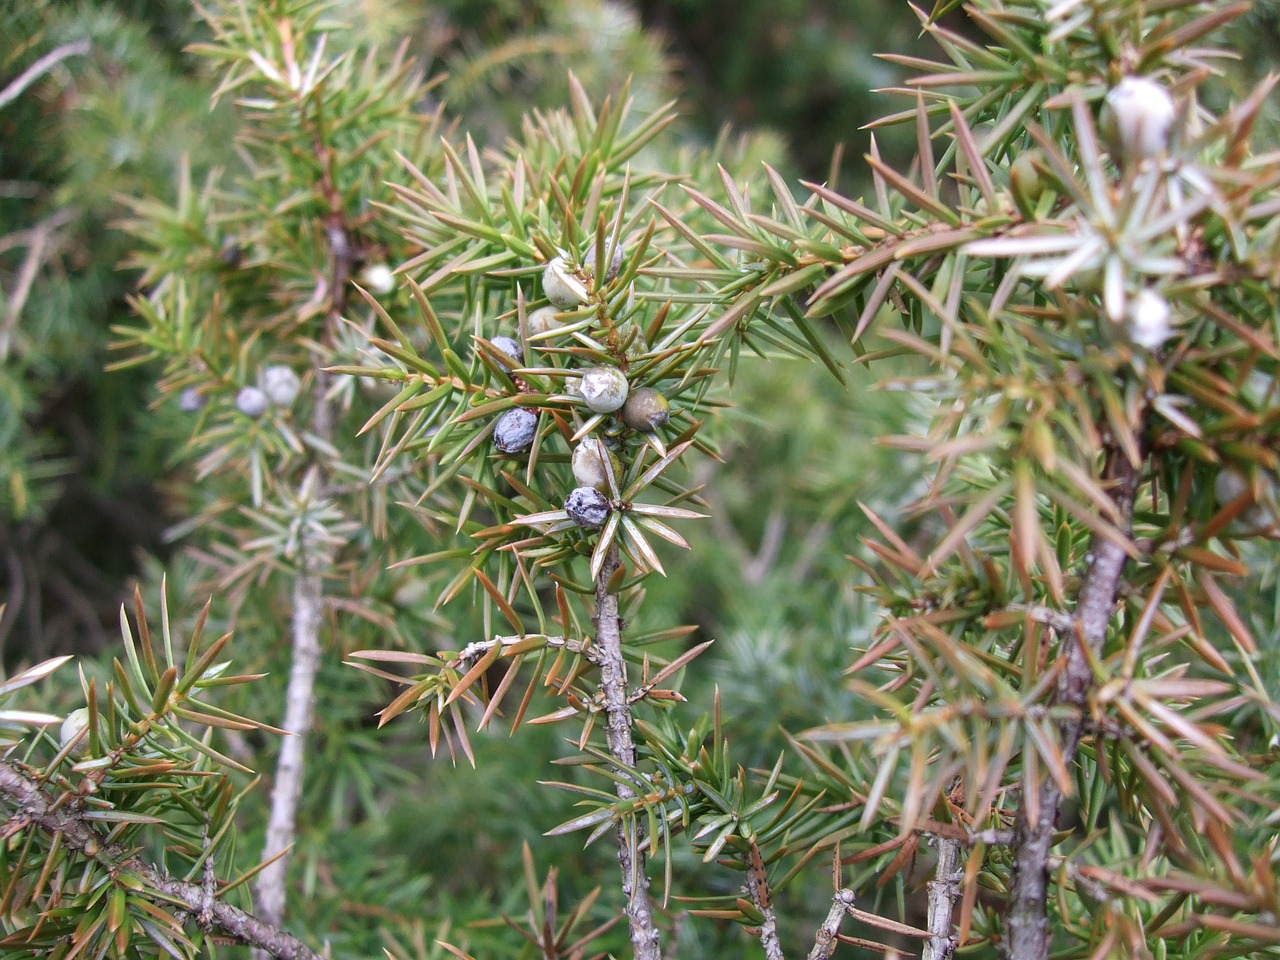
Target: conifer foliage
{"x":1070,"y":710}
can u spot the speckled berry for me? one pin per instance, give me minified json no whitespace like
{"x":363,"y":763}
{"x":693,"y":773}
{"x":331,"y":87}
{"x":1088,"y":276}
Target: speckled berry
{"x":77,"y":723}
{"x":561,"y":287}
{"x":589,"y":458}
{"x":510,"y":348}
{"x":281,"y":385}
{"x":252,"y":402}
{"x":587,"y":507}
{"x":543,"y":320}
{"x":604,"y":389}
{"x":1137,"y":118}
{"x":515,"y":430}
{"x":646,"y":410}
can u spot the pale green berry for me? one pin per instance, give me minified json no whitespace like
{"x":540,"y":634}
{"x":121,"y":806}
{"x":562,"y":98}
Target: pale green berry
{"x":646,"y":410}
{"x":543,"y":320}
{"x":1137,"y":119}
{"x":1026,"y":181}
{"x":589,"y":458}
{"x":587,"y":507}
{"x":76,"y":724}
{"x":561,"y":287}
{"x":604,"y":389}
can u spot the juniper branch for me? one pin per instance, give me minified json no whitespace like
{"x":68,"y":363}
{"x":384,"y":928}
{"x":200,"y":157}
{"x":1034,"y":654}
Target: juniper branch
{"x":613,"y":686}
{"x":943,"y":893}
{"x":1027,"y":923}
{"x":757,"y":887}
{"x":824,"y":943}
{"x":30,"y":803}
{"x":308,"y":587}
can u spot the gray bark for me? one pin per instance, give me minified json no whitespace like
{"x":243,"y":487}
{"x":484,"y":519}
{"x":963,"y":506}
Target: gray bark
{"x":613,"y":686}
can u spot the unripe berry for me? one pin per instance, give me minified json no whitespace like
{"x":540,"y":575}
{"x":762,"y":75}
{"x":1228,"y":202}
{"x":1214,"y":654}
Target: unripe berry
{"x":646,"y":410}
{"x":560,"y":285}
{"x":77,"y":722}
{"x":587,"y":507}
{"x":1229,"y":484}
{"x":543,"y":320}
{"x":252,"y":402}
{"x":1258,"y":517}
{"x":512,"y":349}
{"x":1026,"y":181}
{"x":589,"y":458}
{"x":515,"y":430}
{"x":604,"y":389}
{"x":281,"y":385}
{"x":1149,"y":325}
{"x":378,"y":279}
{"x":1137,"y":118}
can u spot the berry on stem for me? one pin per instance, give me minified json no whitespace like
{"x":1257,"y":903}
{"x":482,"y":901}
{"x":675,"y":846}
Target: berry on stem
{"x":646,"y":410}
{"x":378,"y":279}
{"x":252,"y":402}
{"x":604,"y":389}
{"x":589,"y":459}
{"x":191,"y":400}
{"x":587,"y":507}
{"x":543,"y":320}
{"x":561,"y":287}
{"x":512,"y":349}
{"x":1137,"y":118}
{"x":515,"y":430}
{"x":281,"y":385}
{"x":1149,"y":324}
{"x":76,"y":723}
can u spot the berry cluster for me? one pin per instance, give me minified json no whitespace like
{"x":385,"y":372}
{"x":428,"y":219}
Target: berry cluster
{"x":602,"y":389}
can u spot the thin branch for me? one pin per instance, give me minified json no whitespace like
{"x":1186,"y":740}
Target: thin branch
{"x":213,"y":916}
{"x":38,"y":240}
{"x":824,"y":942}
{"x":944,"y":891}
{"x":478,"y":648}
{"x":308,"y":596}
{"x":757,"y":888}
{"x":613,"y":685}
{"x":40,"y":68}
{"x":1026,"y":922}
{"x":290,"y":766}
